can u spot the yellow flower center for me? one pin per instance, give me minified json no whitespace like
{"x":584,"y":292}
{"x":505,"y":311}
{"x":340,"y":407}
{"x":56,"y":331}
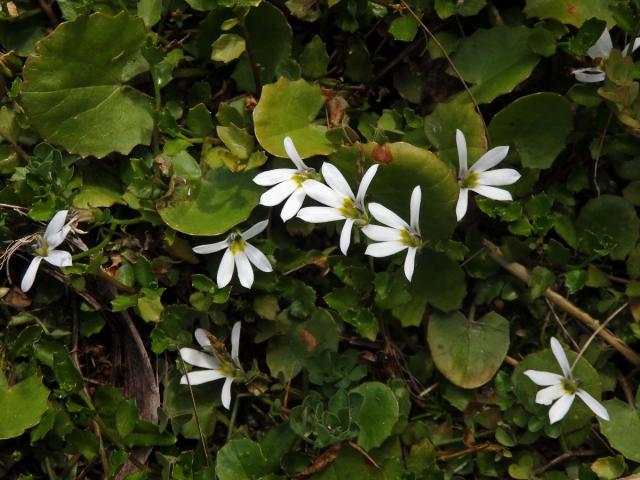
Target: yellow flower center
{"x":300,"y":176}
{"x":236,"y":244}
{"x":410,"y":239}
{"x":349,"y":209}
{"x":569,"y":386}
{"x":470,"y":181}
{"x":43,"y":248}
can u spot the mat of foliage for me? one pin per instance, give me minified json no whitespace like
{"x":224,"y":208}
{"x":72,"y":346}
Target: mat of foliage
{"x":135,"y":136}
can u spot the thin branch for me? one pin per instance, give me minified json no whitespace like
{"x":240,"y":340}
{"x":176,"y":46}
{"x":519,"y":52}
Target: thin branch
{"x":562,"y":458}
{"x":522,"y":273}
{"x":195,"y":412}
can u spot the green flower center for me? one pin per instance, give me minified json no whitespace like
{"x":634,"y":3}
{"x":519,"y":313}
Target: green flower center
{"x":43,"y":248}
{"x":301,"y":175}
{"x":350,"y":210}
{"x":410,"y":239}
{"x":470,"y":181}
{"x":570,"y":386}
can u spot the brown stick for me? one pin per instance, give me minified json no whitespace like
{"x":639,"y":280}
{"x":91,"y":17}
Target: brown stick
{"x":522,"y":273}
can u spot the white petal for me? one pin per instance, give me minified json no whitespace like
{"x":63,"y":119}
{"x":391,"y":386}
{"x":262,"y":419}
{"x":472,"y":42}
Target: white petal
{"x":320,"y":214}
{"x":59,"y":258}
{"x":225,"y":396}
{"x":211,"y":247}
{"x":550,"y":394}
{"x":636,"y":45}
{"x":502,"y":176}
{"x":543,"y":379}
{"x":410,"y":262}
{"x":561,"y":357}
{"x":416,"y":198}
{"x":323,"y":194}
{"x":345,"y":235}
{"x":245,"y":272}
{"x":293,"y":153}
{"x":384,"y":249}
{"x":490,"y":159}
{"x":55,"y":231}
{"x":273,"y":177}
{"x":463,"y":202}
{"x":594,"y":405}
{"x":255,"y":230}
{"x":461,"y":142}
{"x":603,"y":46}
{"x":199,"y":359}
{"x":589,"y":75}
{"x":293,"y":204}
{"x":386,"y":216}
{"x":276,"y":195}
{"x":225,"y":270}
{"x":30,"y":275}
{"x":381,"y":234}
{"x":202,"y":338}
{"x":235,"y":341}
{"x":336,"y":181}
{"x":258,"y":258}
{"x":561,"y":408}
{"x":492,"y":192}
{"x":365,"y":182}
{"x":201,"y":376}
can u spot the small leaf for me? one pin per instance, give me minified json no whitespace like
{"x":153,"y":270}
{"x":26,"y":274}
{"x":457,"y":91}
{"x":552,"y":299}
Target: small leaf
{"x":21,"y":406}
{"x":623,"y":428}
{"x":227,"y":47}
{"x":571,"y":12}
{"x":241,"y":460}
{"x":377,"y":415}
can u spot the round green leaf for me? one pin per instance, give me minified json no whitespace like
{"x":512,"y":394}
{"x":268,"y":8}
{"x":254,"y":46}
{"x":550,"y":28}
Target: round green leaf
{"x":21,"y":406}
{"x":623,"y":428}
{"x":439,"y":280}
{"x":377,"y":414}
{"x":74,"y":88}
{"x":289,"y":108}
{"x":572,"y":12}
{"x":441,"y":125}
{"x":608,"y":223}
{"x":537,"y":127}
{"x":526,"y":390}
{"x":212,"y":205}
{"x":495,"y":61}
{"x":241,"y":460}
{"x":403,"y":166}
{"x":468,"y":352}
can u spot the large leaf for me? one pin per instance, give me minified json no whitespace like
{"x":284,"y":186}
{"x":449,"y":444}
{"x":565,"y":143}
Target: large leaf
{"x":289,"y":108}
{"x":537,"y":127}
{"x":439,"y":280}
{"x":468,"y":352}
{"x":241,"y":459}
{"x":609,"y":224}
{"x":572,"y":12}
{"x":495,"y":61}
{"x":623,"y":428}
{"x":211,"y":205}
{"x":377,"y":415}
{"x":403,"y":167}
{"x":74,"y":90}
{"x":21,"y":406}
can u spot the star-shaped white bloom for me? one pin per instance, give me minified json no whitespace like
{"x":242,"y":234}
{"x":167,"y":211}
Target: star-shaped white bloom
{"x":216,"y":367}
{"x":562,"y":389}
{"x":240,"y":255}
{"x":478,"y":179}
{"x":286,"y":182}
{"x":54,"y":235}
{"x":341,"y":203}
{"x":601,"y":50}
{"x":397,"y":235}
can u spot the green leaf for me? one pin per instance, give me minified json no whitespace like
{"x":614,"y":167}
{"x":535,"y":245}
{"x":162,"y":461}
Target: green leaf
{"x":377,"y":415}
{"x":289,"y":108}
{"x":571,"y":12}
{"x":468,"y":352}
{"x":269,"y":39}
{"x":241,"y":460}
{"x":212,"y":205}
{"x":623,"y":428}
{"x":150,"y":11}
{"x":404,"y":28}
{"x":314,"y":58}
{"x":21,"y":406}
{"x":439,"y":280}
{"x":609,"y":468}
{"x":199,"y":120}
{"x":441,"y":125}
{"x":537,"y":126}
{"x":541,"y":279}
{"x":237,"y":140}
{"x":77,"y":97}
{"x":495,"y":61}
{"x":448,"y":8}
{"x":227,"y":47}
{"x":609,"y":224}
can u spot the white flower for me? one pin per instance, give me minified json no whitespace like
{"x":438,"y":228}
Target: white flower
{"x":216,"y":367}
{"x":240,"y":255}
{"x":397,"y":235}
{"x":340,"y":201}
{"x":601,"y":49}
{"x":54,"y":235}
{"x":562,"y":389}
{"x":478,"y":179}
{"x":286,"y":182}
